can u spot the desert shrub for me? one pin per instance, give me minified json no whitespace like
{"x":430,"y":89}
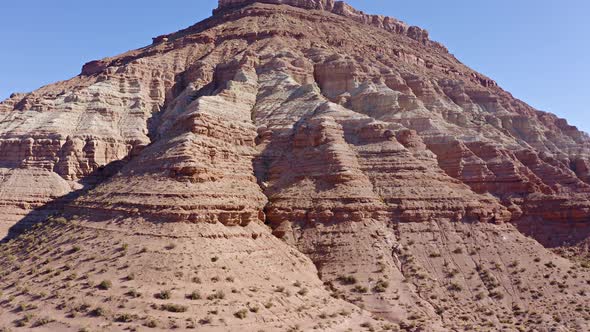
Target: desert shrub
{"x":24,"y":321}
{"x":124,"y":318}
{"x":205,"y":321}
{"x":241,"y":314}
{"x":151,"y":323}
{"x":218,"y":295}
{"x":452,"y":273}
{"x":193,"y":296}
{"x":163,"y":295}
{"x":105,"y":285}
{"x":454,"y":287}
{"x":550,"y":265}
{"x":360,"y":289}
{"x":171,"y":307}
{"x":133,"y":293}
{"x":98,"y":312}
{"x":496,"y":295}
{"x":42,"y":321}
{"x":381,"y":286}
{"x":347,"y":280}
{"x":303,"y":291}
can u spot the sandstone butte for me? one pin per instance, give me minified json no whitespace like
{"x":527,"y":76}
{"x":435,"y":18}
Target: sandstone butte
{"x":290,"y":165}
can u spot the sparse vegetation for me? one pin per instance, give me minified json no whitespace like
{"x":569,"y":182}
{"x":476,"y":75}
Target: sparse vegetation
{"x":303,"y":291}
{"x":381,"y":286}
{"x":151,"y":323}
{"x":496,"y":295}
{"x":124,"y":318}
{"x":163,"y":295}
{"x":454,"y":287}
{"x":133,"y":293}
{"x":218,"y":295}
{"x":98,"y":312}
{"x":193,"y":296}
{"x":360,"y":289}
{"x":347,"y":280}
{"x":241,"y":314}
{"x":205,"y":321}
{"x":170,"y":307}
{"x":105,"y":285}
{"x":24,"y":321}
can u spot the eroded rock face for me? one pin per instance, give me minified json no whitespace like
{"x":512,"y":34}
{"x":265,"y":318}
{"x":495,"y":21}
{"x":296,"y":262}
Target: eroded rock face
{"x":354,"y":137}
{"x":308,"y":4}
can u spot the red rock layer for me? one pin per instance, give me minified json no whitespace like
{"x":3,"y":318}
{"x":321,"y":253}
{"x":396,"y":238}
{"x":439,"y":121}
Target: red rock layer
{"x":200,"y":168}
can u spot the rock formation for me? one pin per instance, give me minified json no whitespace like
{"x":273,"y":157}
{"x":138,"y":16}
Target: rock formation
{"x":343,"y":169}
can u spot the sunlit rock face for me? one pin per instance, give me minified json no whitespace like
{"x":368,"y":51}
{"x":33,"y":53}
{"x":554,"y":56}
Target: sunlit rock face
{"x":308,"y":4}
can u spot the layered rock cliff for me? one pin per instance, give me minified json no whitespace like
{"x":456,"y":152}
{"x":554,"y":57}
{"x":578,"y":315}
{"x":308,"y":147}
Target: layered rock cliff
{"x":422,"y":192}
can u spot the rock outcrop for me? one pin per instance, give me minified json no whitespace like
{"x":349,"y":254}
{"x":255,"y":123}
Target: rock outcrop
{"x":308,"y":4}
{"x":403,"y":186}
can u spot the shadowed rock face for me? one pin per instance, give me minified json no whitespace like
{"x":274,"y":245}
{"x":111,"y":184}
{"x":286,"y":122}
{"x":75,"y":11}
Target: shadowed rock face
{"x":412,"y":182}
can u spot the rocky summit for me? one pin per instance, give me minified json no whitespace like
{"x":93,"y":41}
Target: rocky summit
{"x":290,"y":165}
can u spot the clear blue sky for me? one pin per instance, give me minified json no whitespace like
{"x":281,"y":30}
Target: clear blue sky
{"x":537,"y":49}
